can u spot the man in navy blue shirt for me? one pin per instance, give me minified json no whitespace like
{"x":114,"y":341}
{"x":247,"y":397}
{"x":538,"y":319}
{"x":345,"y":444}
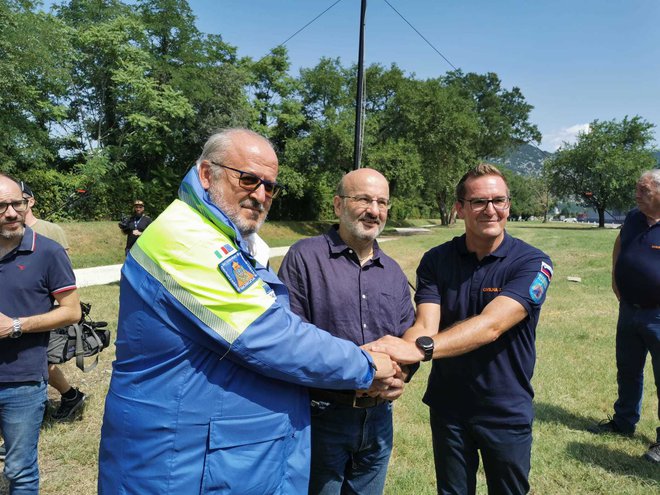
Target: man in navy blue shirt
{"x":478,"y":302}
{"x":636,"y":284}
{"x":341,"y":281}
{"x":72,"y":400}
{"x":34,"y":273}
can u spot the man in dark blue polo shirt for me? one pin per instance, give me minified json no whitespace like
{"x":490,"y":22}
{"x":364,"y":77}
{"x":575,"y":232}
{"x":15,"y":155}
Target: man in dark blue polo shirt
{"x":341,"y":281}
{"x":636,"y":284}
{"x":34,"y":273}
{"x":478,"y":302}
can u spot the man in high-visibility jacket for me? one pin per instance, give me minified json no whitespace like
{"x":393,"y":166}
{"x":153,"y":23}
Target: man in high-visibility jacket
{"x":208,"y":392}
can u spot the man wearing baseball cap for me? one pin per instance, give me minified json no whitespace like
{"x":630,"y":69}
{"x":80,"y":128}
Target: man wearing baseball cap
{"x":134,"y":226}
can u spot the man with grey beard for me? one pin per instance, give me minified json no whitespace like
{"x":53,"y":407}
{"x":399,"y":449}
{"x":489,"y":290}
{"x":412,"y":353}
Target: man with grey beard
{"x":343,"y":282}
{"x":34,"y":273}
{"x":209,"y":390}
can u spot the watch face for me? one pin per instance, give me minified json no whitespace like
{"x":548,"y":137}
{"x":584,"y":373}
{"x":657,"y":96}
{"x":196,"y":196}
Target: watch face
{"x":426,"y":344}
{"x":16,"y":332}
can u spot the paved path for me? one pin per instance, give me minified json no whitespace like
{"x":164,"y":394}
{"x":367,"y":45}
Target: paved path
{"x":102,"y":275}
{"x":98,"y":275}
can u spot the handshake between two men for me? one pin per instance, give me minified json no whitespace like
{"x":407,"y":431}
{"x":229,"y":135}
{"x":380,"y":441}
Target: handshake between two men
{"x":392,"y":357}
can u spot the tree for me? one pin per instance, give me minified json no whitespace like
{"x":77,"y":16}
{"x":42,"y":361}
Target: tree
{"x":528,"y":195}
{"x":271,"y":87}
{"x":203,"y":69}
{"x":319,"y":150}
{"x":443,"y":126}
{"x":542,"y":187}
{"x":503,"y":114}
{"x":34,"y":61}
{"x":148,"y":88}
{"x":601,"y":168}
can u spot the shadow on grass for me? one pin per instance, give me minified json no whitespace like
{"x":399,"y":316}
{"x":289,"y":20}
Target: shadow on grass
{"x":598,"y":455}
{"x":550,"y":413}
{"x":613,"y":461}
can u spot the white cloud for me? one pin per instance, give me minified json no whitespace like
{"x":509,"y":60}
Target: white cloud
{"x":553,"y":140}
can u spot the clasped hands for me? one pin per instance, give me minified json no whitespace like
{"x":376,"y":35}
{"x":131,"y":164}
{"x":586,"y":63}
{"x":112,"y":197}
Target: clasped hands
{"x":389,"y":353}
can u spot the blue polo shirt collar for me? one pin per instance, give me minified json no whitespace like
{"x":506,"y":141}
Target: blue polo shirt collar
{"x":29,"y":241}
{"x":501,"y":252}
{"x":339,"y":248}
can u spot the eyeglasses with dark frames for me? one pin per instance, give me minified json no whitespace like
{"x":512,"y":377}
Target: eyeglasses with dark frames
{"x":480,"y":204}
{"x":365,"y":202}
{"x":251,"y":182}
{"x":18,"y":206}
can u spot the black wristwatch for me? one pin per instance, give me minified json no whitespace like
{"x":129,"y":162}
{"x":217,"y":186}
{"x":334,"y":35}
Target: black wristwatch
{"x":17,"y":330}
{"x":426,"y":344}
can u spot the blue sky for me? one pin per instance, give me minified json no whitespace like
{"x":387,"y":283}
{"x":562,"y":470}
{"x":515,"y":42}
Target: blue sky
{"x":574,"y":60}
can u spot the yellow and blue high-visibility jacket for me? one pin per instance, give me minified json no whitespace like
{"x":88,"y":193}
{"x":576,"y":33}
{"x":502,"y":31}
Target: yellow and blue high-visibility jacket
{"x":208,"y":391}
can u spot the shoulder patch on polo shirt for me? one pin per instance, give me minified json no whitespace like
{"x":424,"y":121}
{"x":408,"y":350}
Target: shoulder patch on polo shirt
{"x":538,"y":287}
{"x":238,"y":272}
{"x":546,"y":270}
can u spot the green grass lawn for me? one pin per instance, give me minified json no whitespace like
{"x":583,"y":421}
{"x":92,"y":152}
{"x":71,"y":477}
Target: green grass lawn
{"x":575,"y":381}
{"x":102,"y":243}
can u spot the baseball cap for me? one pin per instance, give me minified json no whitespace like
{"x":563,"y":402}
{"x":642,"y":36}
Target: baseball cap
{"x":138,"y":202}
{"x":25,"y":189}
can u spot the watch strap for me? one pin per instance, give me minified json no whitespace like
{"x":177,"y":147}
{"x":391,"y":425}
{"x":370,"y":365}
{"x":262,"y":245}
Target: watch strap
{"x":17,"y":329}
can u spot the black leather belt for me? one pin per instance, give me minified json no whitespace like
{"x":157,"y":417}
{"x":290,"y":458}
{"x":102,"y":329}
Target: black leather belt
{"x":348,"y":398}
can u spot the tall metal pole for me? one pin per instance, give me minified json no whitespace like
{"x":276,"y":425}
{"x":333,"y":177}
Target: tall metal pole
{"x":357,"y":148}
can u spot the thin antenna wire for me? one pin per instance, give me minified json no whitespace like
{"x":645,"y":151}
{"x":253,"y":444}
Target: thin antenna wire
{"x":310,"y":22}
{"x":421,"y":35}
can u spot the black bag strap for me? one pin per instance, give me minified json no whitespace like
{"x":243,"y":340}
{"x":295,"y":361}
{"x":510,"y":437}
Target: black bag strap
{"x":80,"y":351}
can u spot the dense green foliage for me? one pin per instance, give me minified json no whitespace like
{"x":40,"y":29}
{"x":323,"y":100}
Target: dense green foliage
{"x":116,"y":99}
{"x":601,"y":169}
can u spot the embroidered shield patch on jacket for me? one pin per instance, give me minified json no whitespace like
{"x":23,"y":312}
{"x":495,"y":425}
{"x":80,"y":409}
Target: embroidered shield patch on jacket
{"x":238,"y":271}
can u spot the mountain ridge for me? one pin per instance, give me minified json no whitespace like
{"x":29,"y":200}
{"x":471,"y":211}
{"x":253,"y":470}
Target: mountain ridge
{"x":527,"y":160}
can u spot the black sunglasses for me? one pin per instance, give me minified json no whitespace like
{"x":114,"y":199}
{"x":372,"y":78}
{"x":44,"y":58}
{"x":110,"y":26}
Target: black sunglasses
{"x":251,"y":182}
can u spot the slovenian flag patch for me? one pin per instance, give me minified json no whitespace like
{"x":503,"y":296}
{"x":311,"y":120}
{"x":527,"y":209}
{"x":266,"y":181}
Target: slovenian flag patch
{"x":546,"y":270}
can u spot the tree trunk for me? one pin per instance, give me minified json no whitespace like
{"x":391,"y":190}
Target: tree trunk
{"x":444,"y":216}
{"x":601,"y":217}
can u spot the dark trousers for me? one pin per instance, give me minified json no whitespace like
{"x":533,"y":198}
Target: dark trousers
{"x":637,"y":335}
{"x":506,"y":453}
